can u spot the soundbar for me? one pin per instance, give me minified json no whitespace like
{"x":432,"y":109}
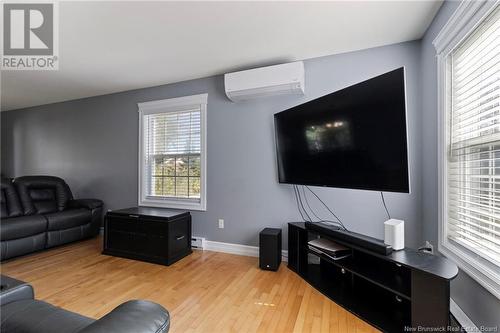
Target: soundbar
{"x":366,"y":242}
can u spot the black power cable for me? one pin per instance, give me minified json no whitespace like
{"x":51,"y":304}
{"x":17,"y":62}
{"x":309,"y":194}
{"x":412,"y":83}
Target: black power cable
{"x":307,"y":203}
{"x":297,"y":202}
{"x":302,"y":204}
{"x":312,"y":211}
{"x":385,"y":206}
{"x":328,"y":208}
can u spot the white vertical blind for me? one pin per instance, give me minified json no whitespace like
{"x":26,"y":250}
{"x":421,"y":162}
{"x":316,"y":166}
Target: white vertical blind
{"x":474,"y":137}
{"x":172,"y":153}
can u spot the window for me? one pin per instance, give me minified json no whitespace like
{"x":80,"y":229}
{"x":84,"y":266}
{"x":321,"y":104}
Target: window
{"x":469,"y":72}
{"x":172,"y":153}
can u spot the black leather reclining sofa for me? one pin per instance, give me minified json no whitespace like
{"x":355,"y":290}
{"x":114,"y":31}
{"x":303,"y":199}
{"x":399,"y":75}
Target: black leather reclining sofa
{"x":39,"y":212}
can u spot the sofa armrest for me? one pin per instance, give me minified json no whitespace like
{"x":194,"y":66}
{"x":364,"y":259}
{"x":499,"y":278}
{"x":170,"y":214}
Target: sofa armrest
{"x":13,"y":290}
{"x":95,"y":206}
{"x":132,"y":317}
{"x":85,"y":203}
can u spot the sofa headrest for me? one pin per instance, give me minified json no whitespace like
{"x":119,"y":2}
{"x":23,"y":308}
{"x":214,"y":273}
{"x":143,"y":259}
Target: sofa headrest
{"x":42,"y":194}
{"x":9,"y":200}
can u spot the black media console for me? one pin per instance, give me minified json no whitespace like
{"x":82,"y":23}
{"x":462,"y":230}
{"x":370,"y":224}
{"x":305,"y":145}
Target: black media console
{"x":405,"y":288}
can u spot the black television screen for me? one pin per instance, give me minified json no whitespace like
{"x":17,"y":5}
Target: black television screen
{"x":352,"y":138}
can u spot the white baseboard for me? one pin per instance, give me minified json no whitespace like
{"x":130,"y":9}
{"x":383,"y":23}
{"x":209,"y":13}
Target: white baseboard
{"x":462,"y":318}
{"x":242,"y":250}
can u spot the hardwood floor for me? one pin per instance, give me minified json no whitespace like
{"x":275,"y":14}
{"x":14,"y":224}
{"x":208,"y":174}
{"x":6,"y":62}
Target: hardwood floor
{"x":205,"y":292}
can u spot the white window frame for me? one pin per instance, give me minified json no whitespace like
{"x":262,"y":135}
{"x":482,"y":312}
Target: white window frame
{"x":466,"y":18}
{"x":162,"y":106}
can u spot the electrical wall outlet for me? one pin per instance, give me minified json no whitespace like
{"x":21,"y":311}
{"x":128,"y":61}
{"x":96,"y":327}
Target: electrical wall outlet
{"x":429,"y":246}
{"x":221,"y":223}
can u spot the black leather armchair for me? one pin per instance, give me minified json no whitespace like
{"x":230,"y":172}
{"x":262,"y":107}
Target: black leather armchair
{"x":21,"y":313}
{"x":39,"y":212}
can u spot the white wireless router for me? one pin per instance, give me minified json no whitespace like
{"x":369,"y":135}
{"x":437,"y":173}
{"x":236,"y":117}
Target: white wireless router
{"x":395,"y":233}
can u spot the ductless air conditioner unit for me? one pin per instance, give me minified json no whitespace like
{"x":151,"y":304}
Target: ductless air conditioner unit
{"x":284,"y":79}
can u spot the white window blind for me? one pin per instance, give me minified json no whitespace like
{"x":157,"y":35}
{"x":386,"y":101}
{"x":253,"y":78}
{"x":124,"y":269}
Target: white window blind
{"x":172,"y":153}
{"x":474,"y":141}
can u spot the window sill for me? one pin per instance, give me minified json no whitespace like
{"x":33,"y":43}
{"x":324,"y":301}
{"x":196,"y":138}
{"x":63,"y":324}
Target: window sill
{"x":487,"y":275}
{"x":174,"y":204}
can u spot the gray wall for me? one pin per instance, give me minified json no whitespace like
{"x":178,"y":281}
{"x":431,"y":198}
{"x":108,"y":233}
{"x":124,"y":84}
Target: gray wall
{"x":92,"y":143}
{"x":481,"y":306}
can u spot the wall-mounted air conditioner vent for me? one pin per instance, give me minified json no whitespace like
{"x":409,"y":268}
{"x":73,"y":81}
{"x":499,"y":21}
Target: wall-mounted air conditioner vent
{"x":284,"y":79}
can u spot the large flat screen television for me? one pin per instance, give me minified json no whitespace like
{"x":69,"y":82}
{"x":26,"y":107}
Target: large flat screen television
{"x":352,"y":138}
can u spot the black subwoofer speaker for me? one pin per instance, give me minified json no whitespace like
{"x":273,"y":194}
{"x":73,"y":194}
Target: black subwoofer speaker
{"x":270,"y":249}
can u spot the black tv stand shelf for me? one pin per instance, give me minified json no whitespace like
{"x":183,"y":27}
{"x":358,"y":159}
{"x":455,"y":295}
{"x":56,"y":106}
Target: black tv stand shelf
{"x":405,"y":288}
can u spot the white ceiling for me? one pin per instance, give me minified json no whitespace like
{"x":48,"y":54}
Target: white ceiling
{"x":108,"y":47}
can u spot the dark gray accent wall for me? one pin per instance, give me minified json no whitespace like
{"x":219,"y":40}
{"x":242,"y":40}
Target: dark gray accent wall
{"x":92,"y":143}
{"x":481,"y":306}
